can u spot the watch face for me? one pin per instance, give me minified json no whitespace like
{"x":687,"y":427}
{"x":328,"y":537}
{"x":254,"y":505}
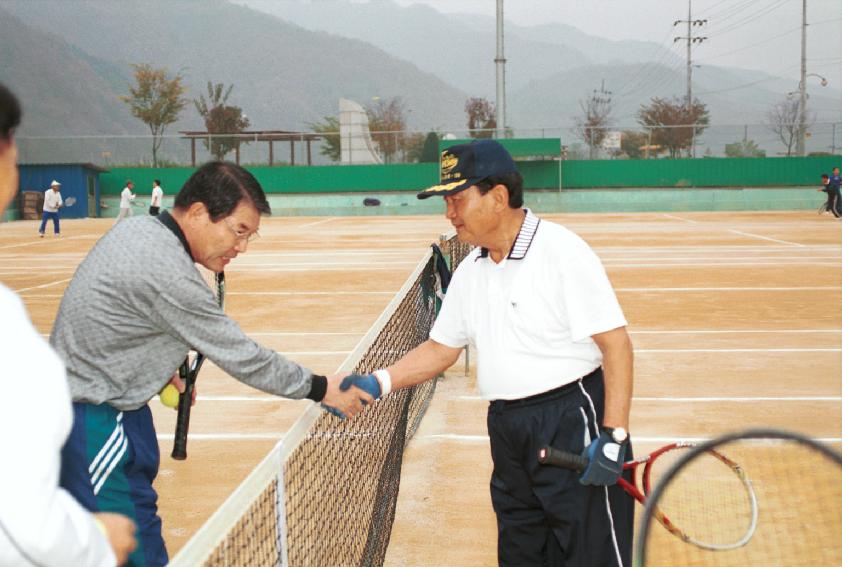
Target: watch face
{"x":619,"y":434}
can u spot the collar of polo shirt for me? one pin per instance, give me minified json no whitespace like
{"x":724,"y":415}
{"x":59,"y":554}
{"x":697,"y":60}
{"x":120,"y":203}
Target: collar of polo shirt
{"x":523,"y":240}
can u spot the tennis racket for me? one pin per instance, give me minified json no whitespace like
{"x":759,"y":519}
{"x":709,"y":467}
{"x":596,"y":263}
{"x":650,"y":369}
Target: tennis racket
{"x":188,"y":372}
{"x":797,"y":482}
{"x":716,"y":468}
{"x":69,"y":202}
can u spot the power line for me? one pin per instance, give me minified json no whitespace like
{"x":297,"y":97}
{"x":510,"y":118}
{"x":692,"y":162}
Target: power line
{"x":718,"y":55}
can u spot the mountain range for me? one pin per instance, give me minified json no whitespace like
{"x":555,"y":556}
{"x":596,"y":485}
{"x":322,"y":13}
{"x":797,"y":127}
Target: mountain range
{"x":291,"y":61}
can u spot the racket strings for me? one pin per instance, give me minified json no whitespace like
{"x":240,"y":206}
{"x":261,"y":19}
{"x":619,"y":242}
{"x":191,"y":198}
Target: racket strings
{"x":799,"y":509}
{"x":711,"y":503}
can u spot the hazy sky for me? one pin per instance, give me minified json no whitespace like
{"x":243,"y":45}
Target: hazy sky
{"x":752,"y":34}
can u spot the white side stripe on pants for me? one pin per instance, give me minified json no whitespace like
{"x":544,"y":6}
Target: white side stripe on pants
{"x":113,"y":464}
{"x":605,"y":488}
{"x":105,"y":458}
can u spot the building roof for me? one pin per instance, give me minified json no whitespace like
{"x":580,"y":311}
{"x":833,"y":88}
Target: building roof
{"x":86,"y":165}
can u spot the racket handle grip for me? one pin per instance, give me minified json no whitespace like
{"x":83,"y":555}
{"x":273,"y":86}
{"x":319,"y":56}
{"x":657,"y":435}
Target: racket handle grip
{"x":182,"y":421}
{"x":563,"y":459}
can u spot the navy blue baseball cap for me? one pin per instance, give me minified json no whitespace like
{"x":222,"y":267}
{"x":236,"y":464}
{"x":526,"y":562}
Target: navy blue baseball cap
{"x":465,"y":165}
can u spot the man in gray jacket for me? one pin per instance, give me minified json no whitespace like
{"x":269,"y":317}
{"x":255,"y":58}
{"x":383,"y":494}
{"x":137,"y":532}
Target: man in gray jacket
{"x":137,"y":292}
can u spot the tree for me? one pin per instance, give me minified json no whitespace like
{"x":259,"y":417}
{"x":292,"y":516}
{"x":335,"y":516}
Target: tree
{"x":387,"y":124}
{"x":632,"y":143}
{"x":591,"y":126}
{"x":783,"y":121}
{"x":156,"y":100}
{"x":744,"y":148}
{"x":482,"y":118}
{"x":413,"y":146}
{"x":674,"y":126}
{"x":221,"y":118}
{"x":430,"y":152}
{"x":329,"y":129}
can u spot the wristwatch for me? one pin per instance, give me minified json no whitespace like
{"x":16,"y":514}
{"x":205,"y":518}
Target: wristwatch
{"x":618,"y":434}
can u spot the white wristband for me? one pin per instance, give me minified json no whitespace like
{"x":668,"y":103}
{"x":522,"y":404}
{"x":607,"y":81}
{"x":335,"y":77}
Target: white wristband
{"x":385,"y":380}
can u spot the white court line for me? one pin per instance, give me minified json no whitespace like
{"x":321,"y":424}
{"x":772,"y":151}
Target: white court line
{"x":47,"y":239}
{"x":343,"y":252}
{"x":303,"y":334}
{"x":262,"y":399}
{"x":314,"y":223}
{"x":796,"y":288}
{"x":42,"y":286}
{"x":764,"y":237}
{"x":701,"y":332}
{"x":706,"y":399}
{"x":740,"y":400}
{"x":635,"y":439}
{"x":720,"y":258}
{"x":393,"y":292}
{"x":318,"y":262}
{"x":271,"y":436}
{"x":772,"y":262}
{"x":679,"y":218}
{"x":318,"y":352}
{"x":674,"y":350}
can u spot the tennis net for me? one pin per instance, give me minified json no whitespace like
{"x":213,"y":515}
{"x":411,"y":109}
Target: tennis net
{"x":326,"y":494}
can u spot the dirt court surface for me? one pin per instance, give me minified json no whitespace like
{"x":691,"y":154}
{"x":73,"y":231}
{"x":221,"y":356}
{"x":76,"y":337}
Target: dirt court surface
{"x":736,"y":320}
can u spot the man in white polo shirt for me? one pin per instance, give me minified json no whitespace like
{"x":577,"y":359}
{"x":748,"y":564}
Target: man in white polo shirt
{"x":554,"y":361}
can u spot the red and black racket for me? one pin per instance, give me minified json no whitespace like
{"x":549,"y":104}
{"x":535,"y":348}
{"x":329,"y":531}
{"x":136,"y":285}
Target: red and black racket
{"x":188,"y":372}
{"x":732,"y":488}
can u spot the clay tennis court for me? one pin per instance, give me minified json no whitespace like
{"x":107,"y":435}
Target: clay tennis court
{"x":736,"y":320}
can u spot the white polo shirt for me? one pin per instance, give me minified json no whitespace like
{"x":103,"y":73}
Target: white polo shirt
{"x":530,"y":317}
{"x":157,"y":197}
{"x":52,"y":201}
{"x":126,"y":198}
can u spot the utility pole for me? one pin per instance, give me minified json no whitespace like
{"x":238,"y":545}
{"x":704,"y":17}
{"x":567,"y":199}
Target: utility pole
{"x":500,"y":62}
{"x":600,"y":107}
{"x":691,"y":39}
{"x":802,"y":85}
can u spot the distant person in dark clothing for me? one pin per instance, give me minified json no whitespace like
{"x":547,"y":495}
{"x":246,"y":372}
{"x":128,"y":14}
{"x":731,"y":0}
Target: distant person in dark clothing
{"x":829,"y":205}
{"x":833,"y":184}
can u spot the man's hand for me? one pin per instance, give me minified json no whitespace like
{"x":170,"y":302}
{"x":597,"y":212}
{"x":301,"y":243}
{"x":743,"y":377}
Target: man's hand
{"x":346,"y":401}
{"x":366,"y":382}
{"x":119,"y":530}
{"x":605,"y":461}
{"x":176,"y":381}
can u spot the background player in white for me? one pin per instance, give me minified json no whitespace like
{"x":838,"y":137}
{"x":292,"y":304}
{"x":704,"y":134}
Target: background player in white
{"x":52,"y":204}
{"x":157,"y":198}
{"x":126,"y":198}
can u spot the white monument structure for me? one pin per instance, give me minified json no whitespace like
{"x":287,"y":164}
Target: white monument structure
{"x":354,"y":135}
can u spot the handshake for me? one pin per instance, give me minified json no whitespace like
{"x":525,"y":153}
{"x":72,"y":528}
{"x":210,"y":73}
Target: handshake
{"x":356,"y":391}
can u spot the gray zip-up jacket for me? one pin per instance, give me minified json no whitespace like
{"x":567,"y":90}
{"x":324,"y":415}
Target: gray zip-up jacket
{"x":134,"y":309}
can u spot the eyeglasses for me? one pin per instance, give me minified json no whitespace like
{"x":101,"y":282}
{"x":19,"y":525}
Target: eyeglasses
{"x":242,"y":235}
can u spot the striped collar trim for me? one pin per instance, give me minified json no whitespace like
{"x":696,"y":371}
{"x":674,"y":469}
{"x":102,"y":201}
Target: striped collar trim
{"x":523,"y":240}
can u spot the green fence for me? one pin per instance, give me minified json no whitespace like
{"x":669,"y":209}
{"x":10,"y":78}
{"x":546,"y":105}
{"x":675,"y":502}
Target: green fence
{"x":302,"y":179}
{"x":705,"y":172}
{"x":537,"y":174}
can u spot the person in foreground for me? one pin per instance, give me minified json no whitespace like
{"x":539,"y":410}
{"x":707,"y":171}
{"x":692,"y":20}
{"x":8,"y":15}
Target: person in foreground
{"x":554,"y":361}
{"x":40,"y":523}
{"x":139,"y":292}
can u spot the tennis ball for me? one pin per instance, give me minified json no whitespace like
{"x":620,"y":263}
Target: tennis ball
{"x":169,"y":396}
